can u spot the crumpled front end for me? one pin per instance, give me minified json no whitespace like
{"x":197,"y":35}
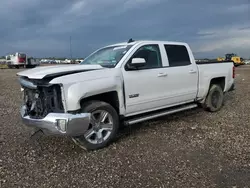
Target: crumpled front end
{"x":42,"y":108}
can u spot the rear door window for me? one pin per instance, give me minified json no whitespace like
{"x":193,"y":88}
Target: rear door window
{"x":177,"y":55}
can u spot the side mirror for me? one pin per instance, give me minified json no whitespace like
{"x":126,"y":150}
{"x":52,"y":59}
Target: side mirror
{"x":138,"y":62}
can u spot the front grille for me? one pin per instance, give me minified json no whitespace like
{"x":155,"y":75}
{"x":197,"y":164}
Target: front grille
{"x":43,"y":100}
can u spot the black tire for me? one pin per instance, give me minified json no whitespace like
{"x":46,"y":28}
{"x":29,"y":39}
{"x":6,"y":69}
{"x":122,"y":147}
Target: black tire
{"x":215,"y":99}
{"x":92,"y":107}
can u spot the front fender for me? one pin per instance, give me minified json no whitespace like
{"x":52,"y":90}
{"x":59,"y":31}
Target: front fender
{"x":74,"y":93}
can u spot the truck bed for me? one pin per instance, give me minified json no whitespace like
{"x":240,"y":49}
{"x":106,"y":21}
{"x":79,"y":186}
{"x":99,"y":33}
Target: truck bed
{"x":214,"y":69}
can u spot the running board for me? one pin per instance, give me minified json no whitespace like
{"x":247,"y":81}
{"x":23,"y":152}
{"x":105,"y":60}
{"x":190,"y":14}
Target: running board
{"x":156,"y":115}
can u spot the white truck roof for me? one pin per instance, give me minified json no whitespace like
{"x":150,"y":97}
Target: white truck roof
{"x":147,"y":41}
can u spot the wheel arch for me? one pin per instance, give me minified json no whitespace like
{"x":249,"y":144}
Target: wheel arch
{"x":221,"y":81}
{"x":110,"y":97}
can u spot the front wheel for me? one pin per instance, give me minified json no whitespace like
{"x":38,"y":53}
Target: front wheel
{"x":103,"y":127}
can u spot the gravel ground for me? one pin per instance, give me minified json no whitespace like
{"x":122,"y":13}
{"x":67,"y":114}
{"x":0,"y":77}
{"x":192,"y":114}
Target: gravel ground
{"x":191,"y":149}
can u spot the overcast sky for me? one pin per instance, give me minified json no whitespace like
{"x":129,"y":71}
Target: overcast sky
{"x":43,"y":27}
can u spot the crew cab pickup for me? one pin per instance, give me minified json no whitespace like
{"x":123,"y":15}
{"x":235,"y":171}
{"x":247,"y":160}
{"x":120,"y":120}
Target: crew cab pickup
{"x":120,"y":84}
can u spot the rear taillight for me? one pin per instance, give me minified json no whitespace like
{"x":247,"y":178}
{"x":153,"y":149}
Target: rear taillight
{"x":233,"y":71}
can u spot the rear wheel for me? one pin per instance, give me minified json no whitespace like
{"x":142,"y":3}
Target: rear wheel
{"x":103,"y":126}
{"x":215,"y":98}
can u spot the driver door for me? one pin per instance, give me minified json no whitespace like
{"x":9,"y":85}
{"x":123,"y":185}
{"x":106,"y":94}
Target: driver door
{"x":144,"y":87}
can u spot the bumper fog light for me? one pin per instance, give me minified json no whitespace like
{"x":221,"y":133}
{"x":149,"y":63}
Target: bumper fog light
{"x":62,"y":124}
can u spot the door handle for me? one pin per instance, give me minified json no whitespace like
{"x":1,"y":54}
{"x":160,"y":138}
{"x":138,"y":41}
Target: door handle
{"x":192,"y":71}
{"x":162,"y":74}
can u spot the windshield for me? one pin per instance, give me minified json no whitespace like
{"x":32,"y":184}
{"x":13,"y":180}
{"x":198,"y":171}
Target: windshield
{"x":107,"y":57}
{"x":21,"y":55}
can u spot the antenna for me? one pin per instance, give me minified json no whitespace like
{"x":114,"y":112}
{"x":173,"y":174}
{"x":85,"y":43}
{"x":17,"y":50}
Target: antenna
{"x":130,"y":40}
{"x":70,"y":48}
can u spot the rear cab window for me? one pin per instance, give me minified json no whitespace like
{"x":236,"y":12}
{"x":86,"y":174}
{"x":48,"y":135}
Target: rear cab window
{"x":177,"y":55}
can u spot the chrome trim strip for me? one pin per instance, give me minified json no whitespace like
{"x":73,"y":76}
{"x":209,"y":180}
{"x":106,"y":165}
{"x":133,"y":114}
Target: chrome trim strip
{"x":152,"y":116}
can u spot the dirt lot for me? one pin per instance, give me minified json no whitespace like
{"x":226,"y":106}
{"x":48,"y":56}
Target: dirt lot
{"x":191,"y":149}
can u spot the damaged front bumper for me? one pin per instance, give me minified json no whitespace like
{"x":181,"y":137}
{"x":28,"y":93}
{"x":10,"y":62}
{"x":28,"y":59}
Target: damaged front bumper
{"x":58,"y":123}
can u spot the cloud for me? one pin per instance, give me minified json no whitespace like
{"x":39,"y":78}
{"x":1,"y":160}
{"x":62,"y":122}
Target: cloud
{"x":43,"y":28}
{"x":206,"y":33}
{"x":220,"y":41}
{"x":238,"y":8}
{"x":130,"y":4}
{"x":244,"y":28}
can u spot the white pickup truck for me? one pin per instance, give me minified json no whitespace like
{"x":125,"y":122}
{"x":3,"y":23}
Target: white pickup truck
{"x":124,"y":83}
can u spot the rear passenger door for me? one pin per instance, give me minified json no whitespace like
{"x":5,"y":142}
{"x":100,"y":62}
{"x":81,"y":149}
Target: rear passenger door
{"x":182,"y":83}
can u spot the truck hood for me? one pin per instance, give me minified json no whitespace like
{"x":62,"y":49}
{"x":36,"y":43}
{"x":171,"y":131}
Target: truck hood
{"x":101,"y":74}
{"x":57,"y":70}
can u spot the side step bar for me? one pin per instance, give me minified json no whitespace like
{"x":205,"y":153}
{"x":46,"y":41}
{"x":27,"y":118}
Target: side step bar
{"x":156,"y":115}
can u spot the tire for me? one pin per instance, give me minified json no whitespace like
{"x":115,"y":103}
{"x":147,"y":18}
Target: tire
{"x":97,"y":137}
{"x":215,"y":99}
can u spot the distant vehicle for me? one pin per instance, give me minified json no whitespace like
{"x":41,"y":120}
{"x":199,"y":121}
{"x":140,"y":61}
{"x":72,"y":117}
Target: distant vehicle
{"x":220,"y":59}
{"x":235,"y":58}
{"x":232,"y":57}
{"x":20,"y":59}
{"x":32,"y":62}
